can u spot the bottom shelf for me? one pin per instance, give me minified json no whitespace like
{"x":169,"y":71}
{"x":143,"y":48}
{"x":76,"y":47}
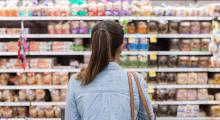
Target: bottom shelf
{"x":188,"y":118}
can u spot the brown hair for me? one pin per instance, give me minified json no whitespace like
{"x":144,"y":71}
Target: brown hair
{"x":107,"y":37}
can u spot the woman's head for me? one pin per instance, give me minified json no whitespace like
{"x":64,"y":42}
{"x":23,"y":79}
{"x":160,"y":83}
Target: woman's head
{"x":106,"y":44}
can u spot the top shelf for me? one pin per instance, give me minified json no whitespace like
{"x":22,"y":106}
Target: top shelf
{"x":152,"y":18}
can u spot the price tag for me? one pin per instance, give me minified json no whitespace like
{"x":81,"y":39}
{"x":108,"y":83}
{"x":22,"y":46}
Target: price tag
{"x":150,"y":89}
{"x":153,"y":39}
{"x":153,"y":56}
{"x":152,"y":73}
{"x":215,"y":24}
{"x":131,"y":39}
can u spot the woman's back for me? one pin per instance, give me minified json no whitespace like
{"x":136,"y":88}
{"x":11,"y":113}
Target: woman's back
{"x":106,"y":98}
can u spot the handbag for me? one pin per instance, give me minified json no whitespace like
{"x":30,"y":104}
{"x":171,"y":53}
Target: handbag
{"x":141,"y":94}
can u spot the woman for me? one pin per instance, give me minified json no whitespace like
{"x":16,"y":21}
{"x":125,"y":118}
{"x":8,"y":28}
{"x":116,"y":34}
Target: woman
{"x":101,"y":91}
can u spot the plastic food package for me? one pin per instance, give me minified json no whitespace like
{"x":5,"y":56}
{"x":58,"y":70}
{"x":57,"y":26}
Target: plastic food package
{"x":215,"y":111}
{"x":158,"y":11}
{"x":182,"y":95}
{"x":12,"y":46}
{"x":40,"y":95}
{"x":31,"y":80}
{"x":203,"y":94}
{"x":39,"y":78}
{"x":142,"y":27}
{"x":33,"y":111}
{"x":22,"y":95}
{"x":55,"y":95}
{"x":171,"y":94}
{"x":195,"y":27}
{"x":196,"y":45}
{"x":4,"y":78}
{"x":184,"y":28}
{"x":162,"y":78}
{"x":202,"y":78}
{"x":192,"y":78}
{"x":7,"y":112}
{"x":66,"y":28}
{"x":163,"y":61}
{"x":64,"y":78}
{"x":63,"y":95}
{"x":109,"y":9}
{"x":163,"y":27}
{"x":184,"y":61}
{"x":83,"y":27}
{"x":30,"y":95}
{"x":47,"y":78}
{"x":7,"y":96}
{"x":171,"y":78}
{"x":194,"y":62}
{"x":217,"y":96}
{"x":182,"y":78}
{"x":49,"y":112}
{"x":161,"y":94}
{"x":185,"y":45}
{"x":51,"y":28}
{"x":162,"y":110}
{"x":206,"y":27}
{"x":192,"y":94}
{"x":205,"y":44}
{"x":204,"y":62}
{"x":22,"y":112}
{"x":57,"y":112}
{"x":131,"y":28}
{"x":174,"y":27}
{"x":40,"y":112}
{"x":153,"y":27}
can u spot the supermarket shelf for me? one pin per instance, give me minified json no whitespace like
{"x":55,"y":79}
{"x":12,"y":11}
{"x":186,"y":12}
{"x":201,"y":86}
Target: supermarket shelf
{"x":158,"y":86}
{"x":186,"y":102}
{"x":30,"y":119}
{"x":153,"y":102}
{"x":32,"y":103}
{"x":17,"y":87}
{"x":126,"y":36}
{"x":153,"y":18}
{"x":188,"y":118}
{"x":123,"y":53}
{"x":128,"y":69}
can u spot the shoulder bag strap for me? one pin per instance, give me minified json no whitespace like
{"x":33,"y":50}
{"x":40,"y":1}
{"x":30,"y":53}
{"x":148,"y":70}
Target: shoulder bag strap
{"x":143,"y":99}
{"x":131,"y":95}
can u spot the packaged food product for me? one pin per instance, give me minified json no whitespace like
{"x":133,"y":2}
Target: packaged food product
{"x":64,"y":78}
{"x":39,"y":78}
{"x":204,"y":62}
{"x":63,"y":95}
{"x":7,"y":96}
{"x":49,"y":112}
{"x":40,"y":95}
{"x":31,"y":94}
{"x":182,"y":78}
{"x":83,"y":27}
{"x":195,"y":27}
{"x":4,"y":78}
{"x":131,"y":28}
{"x":185,"y":45}
{"x":57,"y":111}
{"x":51,"y":28}
{"x":192,"y":94}
{"x":109,"y":9}
{"x":184,"y":61}
{"x":55,"y":95}
{"x":162,"y":110}
{"x":171,"y":78}
{"x":173,"y":27}
{"x":215,"y":111}
{"x":202,"y":78}
{"x":204,"y":44}
{"x":58,"y":28}
{"x":158,"y":11}
{"x":171,"y":94}
{"x":40,"y":112}
{"x":184,"y":28}
{"x":22,"y":112}
{"x":194,"y":62}
{"x":163,"y":61}
{"x":196,"y":45}
{"x":192,"y":78}
{"x":153,"y":27}
{"x":7,"y":112}
{"x":161,"y":94}
{"x":22,"y":95}
{"x":163,"y":27}
{"x":182,"y":95}
{"x":33,"y":111}
{"x":203,"y":94}
{"x":206,"y":27}
{"x":162,"y":78}
{"x":75,"y":27}
{"x":142,"y":27}
{"x":31,"y":80}
{"x":217,"y":96}
{"x":66,"y":28}
{"x":47,"y":78}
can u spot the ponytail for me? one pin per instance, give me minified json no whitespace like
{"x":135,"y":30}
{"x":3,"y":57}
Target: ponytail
{"x":103,"y":50}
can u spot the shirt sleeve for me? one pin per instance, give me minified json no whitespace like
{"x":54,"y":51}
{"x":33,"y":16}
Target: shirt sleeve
{"x":142,"y":115}
{"x":71,"y":112}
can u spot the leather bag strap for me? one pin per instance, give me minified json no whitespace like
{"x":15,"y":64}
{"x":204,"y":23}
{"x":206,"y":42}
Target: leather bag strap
{"x":141,"y":94}
{"x":131,"y":95}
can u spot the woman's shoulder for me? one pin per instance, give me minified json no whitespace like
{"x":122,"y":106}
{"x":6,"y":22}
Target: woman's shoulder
{"x":73,"y":81}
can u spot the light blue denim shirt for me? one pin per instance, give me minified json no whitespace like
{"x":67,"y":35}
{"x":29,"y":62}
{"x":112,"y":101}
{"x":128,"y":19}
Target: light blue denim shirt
{"x":105,"y":98}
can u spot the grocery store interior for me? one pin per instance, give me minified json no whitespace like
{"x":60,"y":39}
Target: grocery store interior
{"x":174,"y":44}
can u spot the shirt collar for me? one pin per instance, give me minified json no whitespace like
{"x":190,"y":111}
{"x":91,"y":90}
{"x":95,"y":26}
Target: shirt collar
{"x":113,"y":66}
